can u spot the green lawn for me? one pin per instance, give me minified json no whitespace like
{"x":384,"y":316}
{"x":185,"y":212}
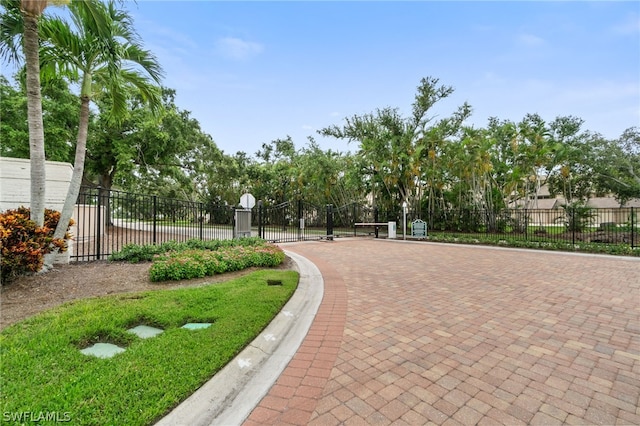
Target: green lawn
{"x":43,"y":371}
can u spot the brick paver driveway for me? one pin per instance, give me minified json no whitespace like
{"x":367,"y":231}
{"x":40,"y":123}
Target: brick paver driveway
{"x":415,"y":333}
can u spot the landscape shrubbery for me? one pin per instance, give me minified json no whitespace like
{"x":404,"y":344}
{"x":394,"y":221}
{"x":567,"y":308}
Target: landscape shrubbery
{"x":135,"y":253}
{"x":23,"y":244}
{"x":505,"y":241}
{"x":196,"y":259}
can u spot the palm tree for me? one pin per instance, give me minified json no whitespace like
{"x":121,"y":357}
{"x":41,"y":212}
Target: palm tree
{"x":104,"y":54}
{"x":20,"y":26}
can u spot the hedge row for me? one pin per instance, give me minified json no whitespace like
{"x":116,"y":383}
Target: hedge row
{"x":135,"y":253}
{"x":196,"y":258}
{"x":193,"y":263}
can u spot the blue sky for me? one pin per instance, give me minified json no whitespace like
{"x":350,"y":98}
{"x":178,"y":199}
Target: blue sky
{"x":252,"y":72}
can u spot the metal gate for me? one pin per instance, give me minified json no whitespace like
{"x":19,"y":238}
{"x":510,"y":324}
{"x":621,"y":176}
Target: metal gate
{"x":291,"y":221}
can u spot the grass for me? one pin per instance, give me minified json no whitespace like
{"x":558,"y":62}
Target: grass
{"x":43,"y":370}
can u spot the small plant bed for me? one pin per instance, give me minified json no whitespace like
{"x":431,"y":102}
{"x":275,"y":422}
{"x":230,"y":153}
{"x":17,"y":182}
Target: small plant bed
{"x":197,"y":259}
{"x":505,"y":241}
{"x":44,"y":371}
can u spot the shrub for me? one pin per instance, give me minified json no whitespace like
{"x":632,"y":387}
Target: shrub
{"x":560,"y":245}
{"x":186,"y":265}
{"x":577,"y":217}
{"x":134,"y":253}
{"x":196,"y":263}
{"x":23,"y":244}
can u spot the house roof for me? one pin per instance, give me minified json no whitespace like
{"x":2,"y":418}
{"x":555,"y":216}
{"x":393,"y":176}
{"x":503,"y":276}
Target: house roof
{"x":611,"y":203}
{"x":541,"y":203}
{"x":546,"y":203}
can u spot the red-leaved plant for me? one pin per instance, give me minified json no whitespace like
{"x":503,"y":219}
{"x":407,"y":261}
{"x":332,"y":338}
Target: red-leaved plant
{"x":23,"y":244}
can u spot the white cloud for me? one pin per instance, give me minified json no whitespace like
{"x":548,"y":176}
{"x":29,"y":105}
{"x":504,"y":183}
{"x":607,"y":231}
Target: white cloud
{"x":530,"y":40}
{"x":307,"y":127}
{"x":238,"y":49}
{"x":173,"y":38}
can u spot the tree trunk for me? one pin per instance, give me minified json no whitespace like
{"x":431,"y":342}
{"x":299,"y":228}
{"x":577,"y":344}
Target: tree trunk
{"x":34,"y":111}
{"x":78,"y":170}
{"x":33,"y":7}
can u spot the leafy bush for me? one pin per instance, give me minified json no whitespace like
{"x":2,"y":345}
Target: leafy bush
{"x":577,"y":217}
{"x":23,"y":244}
{"x":197,"y":263}
{"x":196,"y":258}
{"x":613,"y":249}
{"x":185,"y":266}
{"x":135,"y":253}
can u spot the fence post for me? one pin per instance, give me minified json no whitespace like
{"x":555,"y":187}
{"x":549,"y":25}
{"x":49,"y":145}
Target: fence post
{"x":354,"y":218}
{"x":633,"y":228}
{"x":260,"y":218}
{"x":300,"y":220}
{"x":98,"y":223}
{"x":572,"y":223}
{"x":201,"y":220}
{"x":375,"y":219}
{"x":330,"y":222}
{"x":155,"y":206}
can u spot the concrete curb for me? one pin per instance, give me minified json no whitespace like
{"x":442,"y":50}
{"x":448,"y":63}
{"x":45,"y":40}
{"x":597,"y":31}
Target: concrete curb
{"x":230,"y":396}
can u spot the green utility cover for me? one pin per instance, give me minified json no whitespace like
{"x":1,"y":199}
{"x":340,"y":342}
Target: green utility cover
{"x":196,"y":325}
{"x":103,"y":350}
{"x":145,"y":331}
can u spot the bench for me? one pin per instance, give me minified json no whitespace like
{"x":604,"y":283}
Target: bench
{"x":375,"y":225}
{"x":607,"y":226}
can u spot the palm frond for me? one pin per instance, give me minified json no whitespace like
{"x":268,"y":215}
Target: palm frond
{"x":145,"y":59}
{"x":102,"y":48}
{"x":11,"y":30}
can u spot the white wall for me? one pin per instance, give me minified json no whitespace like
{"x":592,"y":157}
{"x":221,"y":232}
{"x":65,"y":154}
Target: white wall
{"x":15,"y":183}
{"x":15,"y":188}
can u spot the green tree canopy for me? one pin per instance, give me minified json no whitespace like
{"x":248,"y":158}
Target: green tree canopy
{"x":391,"y":146}
{"x":60,"y":117}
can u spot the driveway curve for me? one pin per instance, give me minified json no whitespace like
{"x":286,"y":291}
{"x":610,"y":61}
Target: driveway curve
{"x":420,"y":333}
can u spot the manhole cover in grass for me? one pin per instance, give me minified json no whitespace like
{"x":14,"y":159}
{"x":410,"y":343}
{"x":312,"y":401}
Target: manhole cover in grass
{"x":196,"y":325}
{"x":103,"y":350}
{"x":145,"y":331}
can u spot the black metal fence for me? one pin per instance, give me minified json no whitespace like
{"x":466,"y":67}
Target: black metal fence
{"x":108,"y":220}
{"x":300,"y":220}
{"x":290,"y":221}
{"x":564,"y":225}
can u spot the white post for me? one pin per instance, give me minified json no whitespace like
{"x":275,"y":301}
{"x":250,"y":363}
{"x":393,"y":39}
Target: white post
{"x":404,"y":220}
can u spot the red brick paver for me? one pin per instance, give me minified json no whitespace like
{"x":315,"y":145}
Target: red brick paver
{"x":413,"y":333}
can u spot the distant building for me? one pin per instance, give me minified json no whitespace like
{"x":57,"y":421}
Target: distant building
{"x":608,"y":209}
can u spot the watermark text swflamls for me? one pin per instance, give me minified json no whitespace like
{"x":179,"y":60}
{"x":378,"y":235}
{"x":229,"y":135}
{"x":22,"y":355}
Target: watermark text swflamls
{"x":36,"y":416}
